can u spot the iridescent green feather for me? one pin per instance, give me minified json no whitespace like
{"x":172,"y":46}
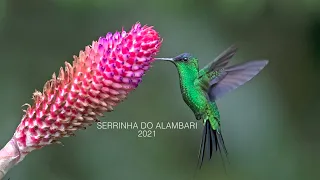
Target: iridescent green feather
{"x":200,"y":90}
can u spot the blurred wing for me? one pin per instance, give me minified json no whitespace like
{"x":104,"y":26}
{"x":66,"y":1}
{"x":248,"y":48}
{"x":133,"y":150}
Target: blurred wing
{"x":233,"y":77}
{"x":220,"y":62}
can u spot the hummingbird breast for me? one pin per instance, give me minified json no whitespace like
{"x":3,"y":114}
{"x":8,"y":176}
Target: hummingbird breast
{"x":192,"y":93}
{"x":195,"y":98}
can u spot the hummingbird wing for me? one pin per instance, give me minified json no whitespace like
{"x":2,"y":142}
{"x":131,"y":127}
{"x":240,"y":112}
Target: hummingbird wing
{"x":212,"y":71}
{"x":232,"y":77}
{"x":216,"y":79}
{"x":220,"y":62}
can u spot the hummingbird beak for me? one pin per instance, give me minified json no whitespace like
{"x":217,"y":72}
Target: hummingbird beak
{"x":164,"y":59}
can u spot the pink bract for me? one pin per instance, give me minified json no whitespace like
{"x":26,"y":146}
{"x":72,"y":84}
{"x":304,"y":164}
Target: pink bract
{"x":100,"y":77}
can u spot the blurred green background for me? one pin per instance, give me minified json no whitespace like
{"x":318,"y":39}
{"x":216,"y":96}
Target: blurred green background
{"x":270,"y":125}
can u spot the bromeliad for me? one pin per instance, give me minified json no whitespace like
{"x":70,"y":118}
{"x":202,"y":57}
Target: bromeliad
{"x":98,"y":79}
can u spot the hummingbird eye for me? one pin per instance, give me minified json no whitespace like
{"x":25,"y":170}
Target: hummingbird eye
{"x":184,"y":59}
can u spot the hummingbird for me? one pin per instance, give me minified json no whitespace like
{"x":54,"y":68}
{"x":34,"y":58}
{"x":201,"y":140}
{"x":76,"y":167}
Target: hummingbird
{"x":201,"y":89}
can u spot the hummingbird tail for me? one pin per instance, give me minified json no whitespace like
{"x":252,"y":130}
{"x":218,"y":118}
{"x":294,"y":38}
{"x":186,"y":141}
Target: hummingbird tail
{"x":211,"y":139}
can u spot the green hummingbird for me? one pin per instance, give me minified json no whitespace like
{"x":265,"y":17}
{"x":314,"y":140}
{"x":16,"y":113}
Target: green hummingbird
{"x":201,"y":88}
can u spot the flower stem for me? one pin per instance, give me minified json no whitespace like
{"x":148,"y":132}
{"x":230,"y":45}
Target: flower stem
{"x":9,"y":157}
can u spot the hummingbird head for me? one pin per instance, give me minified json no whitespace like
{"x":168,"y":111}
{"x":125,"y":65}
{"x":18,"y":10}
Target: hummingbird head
{"x":182,"y":59}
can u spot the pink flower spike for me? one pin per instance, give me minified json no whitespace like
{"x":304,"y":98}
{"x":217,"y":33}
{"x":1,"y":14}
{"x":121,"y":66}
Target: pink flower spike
{"x":99,"y":78}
